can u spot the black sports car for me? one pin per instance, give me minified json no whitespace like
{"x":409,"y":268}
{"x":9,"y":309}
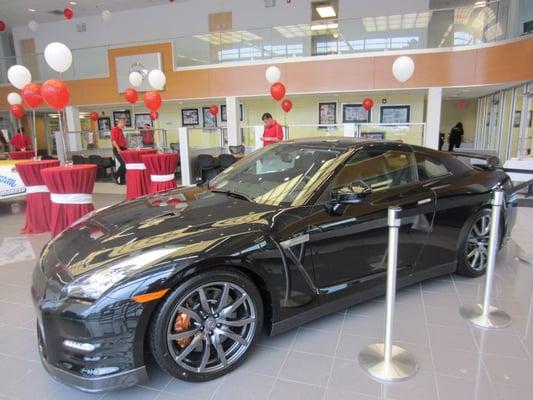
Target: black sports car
{"x":292,"y":232}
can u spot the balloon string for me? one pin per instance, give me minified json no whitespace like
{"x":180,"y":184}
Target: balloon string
{"x":34,"y":134}
{"x":64,"y":137}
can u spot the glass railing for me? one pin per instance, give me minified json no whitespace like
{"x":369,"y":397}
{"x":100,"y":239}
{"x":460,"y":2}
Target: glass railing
{"x":484,"y":22}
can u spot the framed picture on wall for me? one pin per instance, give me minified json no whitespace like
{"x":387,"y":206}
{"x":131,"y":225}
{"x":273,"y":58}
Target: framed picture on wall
{"x":190,"y":117}
{"x":209,"y":120}
{"x":224,"y":112}
{"x":394,"y":114}
{"x":142,"y":119}
{"x":104,"y":127}
{"x":516,"y":119}
{"x":355,"y":113}
{"x":123,"y":114}
{"x":327,"y":113}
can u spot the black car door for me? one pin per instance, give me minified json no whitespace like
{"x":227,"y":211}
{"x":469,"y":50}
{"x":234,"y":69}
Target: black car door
{"x":349,"y":250}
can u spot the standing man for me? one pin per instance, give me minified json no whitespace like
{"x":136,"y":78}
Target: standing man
{"x":20,"y":141}
{"x":273,"y":131}
{"x":147,"y":134}
{"x":119,"y":143}
{"x":456,"y":136}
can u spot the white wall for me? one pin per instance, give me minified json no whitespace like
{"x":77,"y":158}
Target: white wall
{"x":191,"y":17}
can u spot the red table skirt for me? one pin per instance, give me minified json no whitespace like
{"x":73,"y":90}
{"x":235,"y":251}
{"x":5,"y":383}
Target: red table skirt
{"x":137,"y":178}
{"x":161,"y":169}
{"x":21,"y":155}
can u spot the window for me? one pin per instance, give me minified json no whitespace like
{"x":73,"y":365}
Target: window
{"x":429,"y":168}
{"x":378,"y":168}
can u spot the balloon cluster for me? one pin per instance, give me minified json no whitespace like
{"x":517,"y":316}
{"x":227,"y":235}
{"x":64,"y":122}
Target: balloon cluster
{"x":152,"y":99}
{"x":277,"y":89}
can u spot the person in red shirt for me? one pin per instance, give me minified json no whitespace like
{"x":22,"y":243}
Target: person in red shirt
{"x":20,"y":141}
{"x":118,"y":140}
{"x":147,"y":134}
{"x":273,"y":131}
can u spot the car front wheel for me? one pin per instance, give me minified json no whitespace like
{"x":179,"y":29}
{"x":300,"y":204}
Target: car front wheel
{"x":207,"y":326}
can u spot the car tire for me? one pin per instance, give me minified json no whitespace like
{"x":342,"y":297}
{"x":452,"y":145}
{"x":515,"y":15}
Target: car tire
{"x":195,"y":344}
{"x":473,"y":249}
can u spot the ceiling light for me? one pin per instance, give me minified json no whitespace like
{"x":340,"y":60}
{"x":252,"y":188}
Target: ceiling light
{"x":73,"y":3}
{"x":480,"y":4}
{"x":326,"y":11}
{"x":31,"y":9}
{"x":320,"y":27}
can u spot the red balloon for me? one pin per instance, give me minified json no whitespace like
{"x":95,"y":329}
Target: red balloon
{"x":17,"y":110}
{"x":94,"y":116}
{"x":2,"y":26}
{"x":55,"y":93}
{"x":68,"y":13}
{"x":154,"y":115}
{"x":213,"y":109}
{"x":368,"y":104}
{"x":131,"y":95}
{"x":286,"y":105}
{"x":31,"y":93}
{"x":277,"y":90}
{"x":461,"y":105}
{"x":152,"y":100}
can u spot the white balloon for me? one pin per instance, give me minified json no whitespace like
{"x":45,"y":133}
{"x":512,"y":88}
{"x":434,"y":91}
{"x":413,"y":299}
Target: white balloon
{"x":19,"y":76}
{"x":14,"y":98}
{"x":403,"y":68}
{"x":136,"y":79}
{"x":33,"y":25}
{"x":106,"y":16}
{"x":157,"y":79}
{"x":58,"y":56}
{"x":273,"y":74}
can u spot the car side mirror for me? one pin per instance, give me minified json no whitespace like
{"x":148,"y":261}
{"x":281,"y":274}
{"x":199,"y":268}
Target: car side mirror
{"x":342,"y":196}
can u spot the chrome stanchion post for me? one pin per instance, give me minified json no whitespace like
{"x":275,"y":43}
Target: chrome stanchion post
{"x":484,"y":315}
{"x":385,"y":361}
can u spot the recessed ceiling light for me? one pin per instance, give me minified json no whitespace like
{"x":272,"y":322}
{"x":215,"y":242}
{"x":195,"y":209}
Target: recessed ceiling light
{"x":73,"y":3}
{"x":326,"y":11}
{"x":31,"y":9}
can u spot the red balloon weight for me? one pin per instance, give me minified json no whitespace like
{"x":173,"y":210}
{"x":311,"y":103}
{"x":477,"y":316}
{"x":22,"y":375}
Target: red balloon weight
{"x":277,"y":90}
{"x":213,"y":109}
{"x":368,"y":104}
{"x":68,"y":13}
{"x":154,"y":115}
{"x":94,"y":116}
{"x":17,"y":110}
{"x":131,"y":95}
{"x":2,"y":26}
{"x":286,"y":105}
{"x":31,"y":93}
{"x":152,"y":100}
{"x":55,"y":93}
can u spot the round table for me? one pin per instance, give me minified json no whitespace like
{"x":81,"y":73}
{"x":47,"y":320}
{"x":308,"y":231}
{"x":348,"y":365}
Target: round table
{"x":38,"y":205}
{"x":161,"y":169}
{"x":137,"y":178}
{"x":71,"y":191}
{"x":21,"y":155}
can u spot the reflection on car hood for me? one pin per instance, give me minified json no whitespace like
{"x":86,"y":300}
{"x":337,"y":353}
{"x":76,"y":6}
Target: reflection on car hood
{"x":191,"y":220}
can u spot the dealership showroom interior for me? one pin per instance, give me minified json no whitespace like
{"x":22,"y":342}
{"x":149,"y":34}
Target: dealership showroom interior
{"x":266,"y":199}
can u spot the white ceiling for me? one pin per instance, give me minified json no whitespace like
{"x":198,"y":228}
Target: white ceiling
{"x":15,"y":12}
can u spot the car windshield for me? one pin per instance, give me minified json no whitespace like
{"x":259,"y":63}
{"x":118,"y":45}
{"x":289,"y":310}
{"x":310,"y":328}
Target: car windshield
{"x":281,"y":174}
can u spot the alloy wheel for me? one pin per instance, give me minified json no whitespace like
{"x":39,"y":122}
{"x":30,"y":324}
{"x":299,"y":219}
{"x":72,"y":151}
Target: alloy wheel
{"x":212,"y":327}
{"x":478,"y":243}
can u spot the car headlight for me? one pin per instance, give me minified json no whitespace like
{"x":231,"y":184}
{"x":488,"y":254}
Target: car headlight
{"x":94,"y":284}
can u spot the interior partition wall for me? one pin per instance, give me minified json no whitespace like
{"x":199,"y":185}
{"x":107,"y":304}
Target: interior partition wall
{"x":504,"y":122}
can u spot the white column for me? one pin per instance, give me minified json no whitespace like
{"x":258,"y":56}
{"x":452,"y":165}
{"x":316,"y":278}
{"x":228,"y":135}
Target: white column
{"x":434,"y":105}
{"x":73,"y":128}
{"x":185,"y":159}
{"x":232,"y":121}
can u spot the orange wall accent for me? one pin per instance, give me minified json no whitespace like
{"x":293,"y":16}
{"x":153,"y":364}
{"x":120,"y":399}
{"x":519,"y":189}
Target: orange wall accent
{"x":504,"y":63}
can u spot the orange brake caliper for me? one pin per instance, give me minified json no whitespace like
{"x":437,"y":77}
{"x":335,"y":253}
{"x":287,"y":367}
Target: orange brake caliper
{"x":182,"y":324}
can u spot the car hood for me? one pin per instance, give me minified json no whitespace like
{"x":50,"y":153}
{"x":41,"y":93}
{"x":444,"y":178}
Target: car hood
{"x":184,"y":222}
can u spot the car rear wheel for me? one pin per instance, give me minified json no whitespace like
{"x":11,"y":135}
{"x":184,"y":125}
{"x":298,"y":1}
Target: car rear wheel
{"x":473,"y":252}
{"x":207,"y":326}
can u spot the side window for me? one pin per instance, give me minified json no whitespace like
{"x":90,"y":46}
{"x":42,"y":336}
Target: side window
{"x":379,"y":168}
{"x":429,"y":168}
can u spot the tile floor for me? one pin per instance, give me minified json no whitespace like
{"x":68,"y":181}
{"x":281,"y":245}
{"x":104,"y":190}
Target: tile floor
{"x":317,"y":360}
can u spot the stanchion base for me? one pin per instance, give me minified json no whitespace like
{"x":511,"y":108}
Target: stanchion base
{"x":495,"y":318}
{"x":402,"y":365}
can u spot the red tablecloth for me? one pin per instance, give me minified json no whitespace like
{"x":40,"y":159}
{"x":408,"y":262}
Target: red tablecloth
{"x":161,"y":169}
{"x":21,"y":155}
{"x":75,"y":180}
{"x":38,"y":206}
{"x":137,"y":178}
